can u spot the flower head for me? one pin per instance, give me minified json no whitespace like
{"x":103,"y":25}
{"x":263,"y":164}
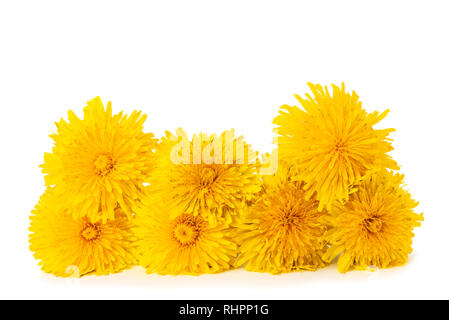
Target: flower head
{"x":100,"y":161}
{"x":333,"y":142}
{"x":214,"y":176}
{"x":375,"y":226}
{"x":282,"y":231}
{"x":63,"y":244}
{"x":187,"y":244}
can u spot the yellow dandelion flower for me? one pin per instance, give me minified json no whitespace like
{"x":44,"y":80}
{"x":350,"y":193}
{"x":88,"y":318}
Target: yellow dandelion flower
{"x":216,"y":185}
{"x":65,"y":245}
{"x":99,"y":161}
{"x":184,"y":245}
{"x":375,"y":227}
{"x":282,"y":231}
{"x":333,"y":142}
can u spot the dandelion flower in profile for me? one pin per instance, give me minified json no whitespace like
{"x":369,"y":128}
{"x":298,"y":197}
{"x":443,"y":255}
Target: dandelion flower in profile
{"x":333,"y":142}
{"x":282,"y":231}
{"x":100,"y":161}
{"x":65,"y":245}
{"x":203,"y":181}
{"x":374,"y":228}
{"x":187,"y":244}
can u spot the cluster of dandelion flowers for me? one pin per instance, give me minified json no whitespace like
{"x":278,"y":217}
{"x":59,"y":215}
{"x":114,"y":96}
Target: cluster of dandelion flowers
{"x":65,"y":245}
{"x":117,"y":196}
{"x":282,"y":231}
{"x":333,"y":142}
{"x":99,"y":161}
{"x":210,"y":175}
{"x":187,"y":244}
{"x":375,"y":227}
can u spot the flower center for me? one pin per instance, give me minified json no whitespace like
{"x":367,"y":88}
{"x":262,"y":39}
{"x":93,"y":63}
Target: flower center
{"x":90,"y":232}
{"x":186,"y":230}
{"x":207,"y":176}
{"x":373,"y":225}
{"x":104,"y":165}
{"x":185,"y":234}
{"x":287,"y":218}
{"x":340,"y":146}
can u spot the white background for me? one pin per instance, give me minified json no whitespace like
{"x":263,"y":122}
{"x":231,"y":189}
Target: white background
{"x":210,"y":66}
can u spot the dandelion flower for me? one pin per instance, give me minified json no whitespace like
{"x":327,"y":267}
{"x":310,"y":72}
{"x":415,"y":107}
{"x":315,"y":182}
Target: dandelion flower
{"x":214,"y":185}
{"x":375,"y":227}
{"x":282,"y":231}
{"x":184,"y":245}
{"x":64,"y":245}
{"x":99,"y":161}
{"x":333,"y":142}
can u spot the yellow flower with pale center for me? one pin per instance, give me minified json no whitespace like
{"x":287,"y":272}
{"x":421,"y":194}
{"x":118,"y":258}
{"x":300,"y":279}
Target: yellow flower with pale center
{"x":333,"y":142}
{"x":282,"y":231}
{"x":68,"y":247}
{"x":187,"y":244}
{"x":217,"y":188}
{"x":374,"y":228}
{"x":100,"y":161}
